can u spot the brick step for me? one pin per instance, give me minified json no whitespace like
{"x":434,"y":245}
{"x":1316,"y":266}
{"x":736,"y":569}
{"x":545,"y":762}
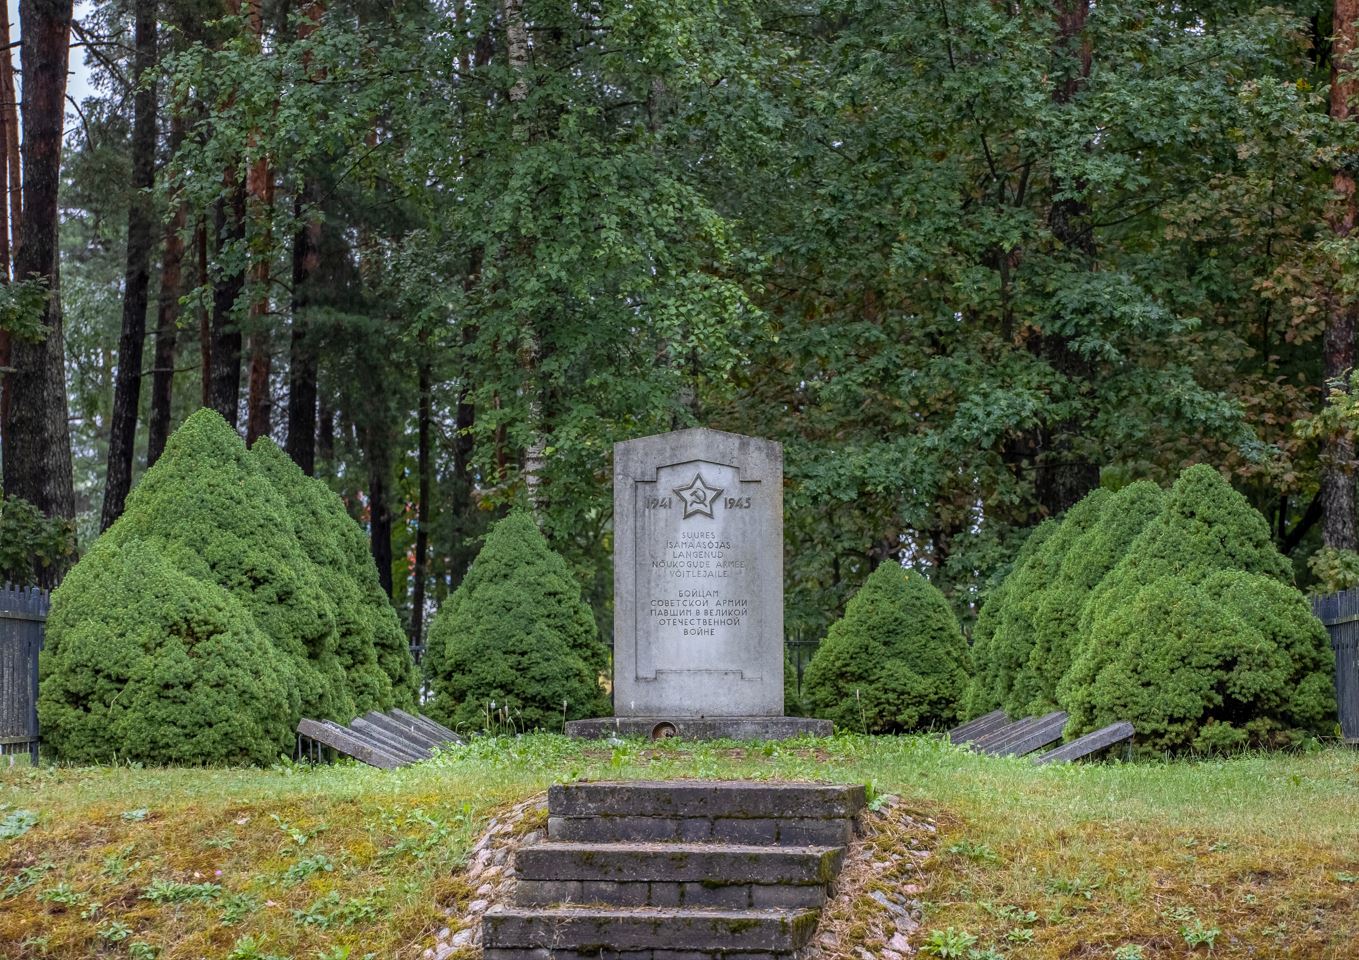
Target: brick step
{"x":676,"y":874}
{"x":559,"y":933}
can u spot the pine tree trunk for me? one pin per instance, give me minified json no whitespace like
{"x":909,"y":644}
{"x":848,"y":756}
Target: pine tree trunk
{"x":379,"y":510}
{"x":127,"y":383}
{"x":200,"y":247}
{"x":302,"y":345}
{"x":259,"y":188}
{"x":37,"y":455}
{"x":302,"y":349}
{"x":226,"y":290}
{"x":167,"y":336}
{"x":259,"y":404}
{"x":9,"y":133}
{"x":1338,"y":523}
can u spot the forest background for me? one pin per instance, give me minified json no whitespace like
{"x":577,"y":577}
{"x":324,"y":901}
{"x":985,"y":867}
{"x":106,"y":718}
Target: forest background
{"x":967,"y":260}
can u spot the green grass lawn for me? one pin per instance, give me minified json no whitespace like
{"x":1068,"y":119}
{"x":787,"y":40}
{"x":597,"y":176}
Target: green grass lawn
{"x":1256,"y":856}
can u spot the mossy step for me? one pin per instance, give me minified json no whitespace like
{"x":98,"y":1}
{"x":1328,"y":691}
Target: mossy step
{"x":709,"y":863}
{"x":590,"y":930}
{"x":680,"y":799}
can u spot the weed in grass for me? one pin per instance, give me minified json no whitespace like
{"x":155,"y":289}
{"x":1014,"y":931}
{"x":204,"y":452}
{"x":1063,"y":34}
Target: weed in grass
{"x":141,"y":950}
{"x":91,"y":910}
{"x":1073,"y":887}
{"x":137,"y":815}
{"x":1346,"y":877}
{"x":17,"y":823}
{"x":1180,"y":914}
{"x":220,"y":843}
{"x":1129,"y":951}
{"x":298,"y":836}
{"x":976,"y":852}
{"x":116,"y":867}
{"x":307,"y":867}
{"x":332,"y":910}
{"x":248,"y":948}
{"x":114,"y":932}
{"x":1012,"y":913}
{"x":25,"y":878}
{"x":236,"y":907}
{"x":948,"y":944}
{"x":62,"y":895}
{"x":1020,"y":935}
{"x":987,"y":954}
{"x":1199,"y":936}
{"x":170,"y":891}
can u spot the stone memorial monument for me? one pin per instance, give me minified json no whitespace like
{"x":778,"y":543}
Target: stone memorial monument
{"x":698,"y":590}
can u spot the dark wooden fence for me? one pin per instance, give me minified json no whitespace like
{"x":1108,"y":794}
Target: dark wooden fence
{"x":1340,"y":613}
{"x":23,"y":612}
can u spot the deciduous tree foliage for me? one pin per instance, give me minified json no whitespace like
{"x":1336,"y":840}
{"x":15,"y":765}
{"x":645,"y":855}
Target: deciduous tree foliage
{"x":895,"y":662}
{"x":515,"y":640}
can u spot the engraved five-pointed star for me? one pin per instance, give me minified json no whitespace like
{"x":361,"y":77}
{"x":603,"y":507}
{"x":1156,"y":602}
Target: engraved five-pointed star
{"x":698,"y":497}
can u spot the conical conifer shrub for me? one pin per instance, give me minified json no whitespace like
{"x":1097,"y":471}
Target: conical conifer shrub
{"x":515,"y":646}
{"x":896,"y":661}
{"x":144,"y":662}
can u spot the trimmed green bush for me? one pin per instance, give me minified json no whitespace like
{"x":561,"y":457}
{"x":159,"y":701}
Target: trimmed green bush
{"x":1056,"y":609}
{"x":516,"y":634}
{"x":896,"y":661}
{"x":1228,"y":663}
{"x":1204,"y":528}
{"x":217,"y":518}
{"x":373,"y":651}
{"x":1016,"y":621}
{"x":145,"y":662}
{"x":267,"y":553}
{"x":984,"y":692}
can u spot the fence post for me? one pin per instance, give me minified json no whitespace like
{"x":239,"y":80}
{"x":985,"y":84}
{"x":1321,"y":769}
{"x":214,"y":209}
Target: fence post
{"x":1339,"y":612}
{"x":23,"y":612}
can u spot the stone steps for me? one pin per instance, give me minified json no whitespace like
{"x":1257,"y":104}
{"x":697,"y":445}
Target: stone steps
{"x":680,"y":870}
{"x":676,"y":874}
{"x":599,"y":932}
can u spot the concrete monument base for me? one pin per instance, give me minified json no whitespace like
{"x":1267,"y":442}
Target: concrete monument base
{"x":700,"y":728}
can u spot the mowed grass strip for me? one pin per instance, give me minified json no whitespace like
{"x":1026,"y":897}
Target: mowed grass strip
{"x":1253,"y":856}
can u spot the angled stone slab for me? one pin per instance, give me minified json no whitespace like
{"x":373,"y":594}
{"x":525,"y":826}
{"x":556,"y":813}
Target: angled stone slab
{"x":395,"y":744}
{"x":1047,"y":729}
{"x":414,"y":736}
{"x":687,"y":799}
{"x":978,"y":728}
{"x":350,"y":744}
{"x":711,"y":863}
{"x":983,"y":744}
{"x":1088,"y":744}
{"x":592,"y":929}
{"x":435,"y":729}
